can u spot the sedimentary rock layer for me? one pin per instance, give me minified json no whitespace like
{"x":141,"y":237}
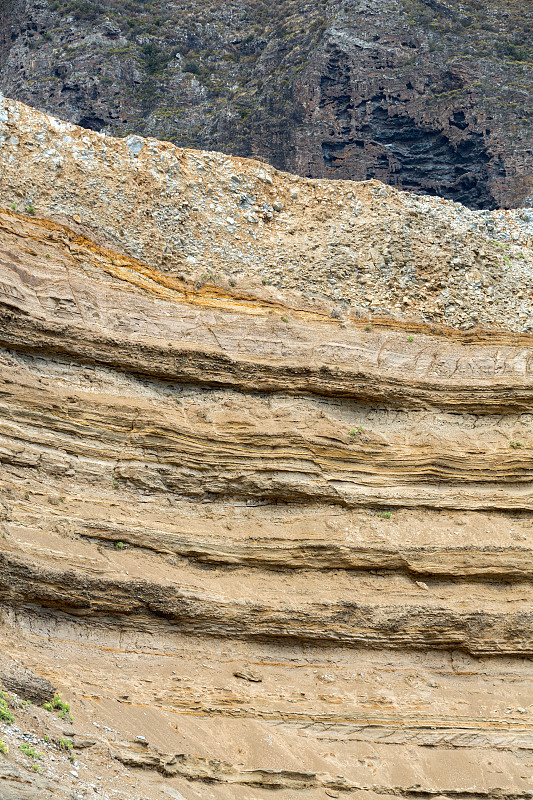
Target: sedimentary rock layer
{"x":261,"y":545}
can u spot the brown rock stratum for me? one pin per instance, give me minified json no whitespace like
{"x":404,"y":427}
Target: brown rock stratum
{"x":266,"y":491}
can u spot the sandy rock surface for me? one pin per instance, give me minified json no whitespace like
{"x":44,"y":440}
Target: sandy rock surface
{"x":213,"y":219}
{"x":263,"y":542}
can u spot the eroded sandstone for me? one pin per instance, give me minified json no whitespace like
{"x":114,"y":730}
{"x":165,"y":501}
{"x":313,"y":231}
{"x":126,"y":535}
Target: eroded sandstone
{"x":263,"y":542}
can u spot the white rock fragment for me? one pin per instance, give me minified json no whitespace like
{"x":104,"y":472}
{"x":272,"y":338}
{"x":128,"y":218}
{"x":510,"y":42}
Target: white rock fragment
{"x":135,"y":144}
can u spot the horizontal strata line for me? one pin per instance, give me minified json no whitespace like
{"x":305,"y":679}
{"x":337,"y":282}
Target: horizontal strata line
{"x":137,"y":603}
{"x":171,"y":457}
{"x":203,"y":769}
{"x":129,"y":268}
{"x":383,"y":728}
{"x":473,"y":562}
{"x":209,"y":367}
{"x":362,"y":721}
{"x":209,"y":295}
{"x":174,"y":444}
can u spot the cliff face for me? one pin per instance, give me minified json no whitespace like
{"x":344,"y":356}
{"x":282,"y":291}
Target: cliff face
{"x":265,"y":542}
{"x":428,"y":96}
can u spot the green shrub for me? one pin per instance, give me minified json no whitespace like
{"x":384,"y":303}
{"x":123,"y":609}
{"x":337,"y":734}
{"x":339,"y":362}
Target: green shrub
{"x":191,"y":66}
{"x":65,"y":744}
{"x":3,"y":747}
{"x":155,"y":58}
{"x":30,"y":752}
{"x":60,"y":704}
{"x":83,"y":9}
{"x":6,"y":715}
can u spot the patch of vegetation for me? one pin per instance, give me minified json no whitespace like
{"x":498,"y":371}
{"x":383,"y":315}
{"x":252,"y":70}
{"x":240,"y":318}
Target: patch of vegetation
{"x":156,"y":58}
{"x":6,"y":715}
{"x":58,"y":704}
{"x":65,"y":744}
{"x":192,"y":67}
{"x":119,"y":545}
{"x":3,"y":747}
{"x":513,"y":52}
{"x":83,"y":10}
{"x":30,"y":210}
{"x":516,"y":444}
{"x":384,"y":514}
{"x":30,"y":751}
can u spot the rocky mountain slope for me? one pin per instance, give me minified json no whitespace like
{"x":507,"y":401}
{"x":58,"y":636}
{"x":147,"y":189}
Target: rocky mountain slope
{"x":429,"y":96}
{"x":265,"y":480}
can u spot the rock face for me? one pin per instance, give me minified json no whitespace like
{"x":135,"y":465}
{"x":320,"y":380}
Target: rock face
{"x":433,"y":97}
{"x":267,"y":543}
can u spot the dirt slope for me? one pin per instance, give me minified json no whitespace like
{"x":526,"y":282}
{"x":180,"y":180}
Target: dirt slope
{"x":267,"y":537}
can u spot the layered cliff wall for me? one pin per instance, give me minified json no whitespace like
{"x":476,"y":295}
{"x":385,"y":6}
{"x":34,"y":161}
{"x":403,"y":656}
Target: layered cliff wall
{"x":428,"y":96}
{"x":265,"y":527}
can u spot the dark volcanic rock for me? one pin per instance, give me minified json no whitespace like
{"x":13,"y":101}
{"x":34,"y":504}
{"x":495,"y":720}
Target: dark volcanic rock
{"x":430,"y":96}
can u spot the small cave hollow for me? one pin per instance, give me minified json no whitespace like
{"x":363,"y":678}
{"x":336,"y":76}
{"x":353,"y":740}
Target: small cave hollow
{"x":91,"y":122}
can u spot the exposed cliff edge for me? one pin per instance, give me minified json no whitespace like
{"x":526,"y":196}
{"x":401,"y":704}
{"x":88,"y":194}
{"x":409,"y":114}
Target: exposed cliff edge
{"x":265,"y":471}
{"x":428,"y":96}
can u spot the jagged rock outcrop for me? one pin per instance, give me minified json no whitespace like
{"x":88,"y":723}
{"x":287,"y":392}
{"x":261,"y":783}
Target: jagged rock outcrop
{"x":427,"y":96}
{"x":266,"y":535}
